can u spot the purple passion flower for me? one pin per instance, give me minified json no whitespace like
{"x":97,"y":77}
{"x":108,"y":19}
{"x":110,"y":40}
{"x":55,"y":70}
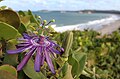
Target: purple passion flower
{"x":42,"y":46}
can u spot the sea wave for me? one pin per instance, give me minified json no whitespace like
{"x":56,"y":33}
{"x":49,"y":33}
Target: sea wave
{"x":95,"y":25}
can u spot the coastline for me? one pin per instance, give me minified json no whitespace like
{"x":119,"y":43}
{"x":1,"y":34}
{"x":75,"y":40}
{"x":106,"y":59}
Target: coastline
{"x":104,"y":29}
{"x":104,"y":26}
{"x":109,"y":28}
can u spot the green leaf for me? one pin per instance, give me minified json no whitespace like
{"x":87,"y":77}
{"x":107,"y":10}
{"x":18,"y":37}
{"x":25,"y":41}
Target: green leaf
{"x":77,"y":60}
{"x":8,"y":72}
{"x":1,"y":0}
{"x":31,"y":73}
{"x":67,"y":44}
{"x":21,"y":13}
{"x":22,"y":29}
{"x":21,"y":75}
{"x":33,"y":19}
{"x":7,"y":31}
{"x":6,"y":75}
{"x":68,"y":72}
{"x":10,"y":17}
{"x":11,"y":59}
{"x":3,"y":7}
{"x":25,"y":20}
{"x":1,"y":53}
{"x":64,"y":69}
{"x":9,"y":69}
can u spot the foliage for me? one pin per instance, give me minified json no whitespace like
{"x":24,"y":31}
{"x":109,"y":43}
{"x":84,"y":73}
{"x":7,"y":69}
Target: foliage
{"x":12,"y":26}
{"x":103,"y":56}
{"x":88,"y":55}
{"x":1,"y":0}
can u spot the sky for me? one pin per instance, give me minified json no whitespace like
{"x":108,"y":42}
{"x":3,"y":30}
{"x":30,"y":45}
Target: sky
{"x":72,"y":5}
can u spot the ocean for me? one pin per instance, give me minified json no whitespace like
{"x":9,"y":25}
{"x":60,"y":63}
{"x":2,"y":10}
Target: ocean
{"x":73,"y":20}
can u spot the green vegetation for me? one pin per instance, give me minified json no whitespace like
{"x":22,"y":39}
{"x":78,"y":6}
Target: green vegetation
{"x":88,"y":55}
{"x":103,"y":53}
{"x":1,"y":0}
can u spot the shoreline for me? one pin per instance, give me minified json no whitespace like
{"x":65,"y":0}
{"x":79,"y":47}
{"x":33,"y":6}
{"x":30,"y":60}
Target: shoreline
{"x":109,"y":28}
{"x":103,"y":29}
{"x":103,"y":26}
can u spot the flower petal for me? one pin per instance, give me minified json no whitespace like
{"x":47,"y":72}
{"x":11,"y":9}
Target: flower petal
{"x":23,"y":44}
{"x":49,"y":61}
{"x":38,"y":59}
{"x":25,"y":59}
{"x":26,"y":36}
{"x":43,"y":59}
{"x":56,"y":45}
{"x":42,"y":56}
{"x":55,"y":51}
{"x":22,"y":39}
{"x":18,"y":50}
{"x":52,"y":53}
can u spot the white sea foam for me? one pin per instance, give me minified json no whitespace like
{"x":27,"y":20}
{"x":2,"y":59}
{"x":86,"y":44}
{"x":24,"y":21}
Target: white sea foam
{"x":95,"y":25}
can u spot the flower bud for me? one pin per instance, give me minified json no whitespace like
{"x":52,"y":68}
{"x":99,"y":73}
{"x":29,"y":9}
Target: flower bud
{"x":53,"y":20}
{"x":44,"y":21}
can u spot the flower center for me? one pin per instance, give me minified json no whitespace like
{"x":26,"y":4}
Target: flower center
{"x":42,"y":41}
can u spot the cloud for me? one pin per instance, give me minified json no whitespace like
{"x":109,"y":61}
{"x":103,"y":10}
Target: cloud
{"x":62,"y":4}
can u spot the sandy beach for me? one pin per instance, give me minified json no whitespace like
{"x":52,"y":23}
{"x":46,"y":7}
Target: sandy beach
{"x":105,"y":29}
{"x":109,"y":28}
